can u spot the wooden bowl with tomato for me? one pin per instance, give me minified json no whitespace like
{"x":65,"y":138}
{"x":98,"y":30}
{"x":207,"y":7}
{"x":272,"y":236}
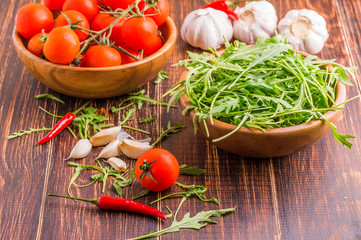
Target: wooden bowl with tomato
{"x":98,"y":82}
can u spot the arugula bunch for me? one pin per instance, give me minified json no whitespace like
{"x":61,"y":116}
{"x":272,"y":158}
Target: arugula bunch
{"x":266,"y":86}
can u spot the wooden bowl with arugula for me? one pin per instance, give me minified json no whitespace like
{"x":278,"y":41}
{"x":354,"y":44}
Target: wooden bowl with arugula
{"x":100,"y":82}
{"x":269,"y":113}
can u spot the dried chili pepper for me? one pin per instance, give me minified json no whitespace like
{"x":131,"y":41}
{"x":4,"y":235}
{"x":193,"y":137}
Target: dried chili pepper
{"x":113,"y":203}
{"x":59,"y":126}
{"x":223,"y":6}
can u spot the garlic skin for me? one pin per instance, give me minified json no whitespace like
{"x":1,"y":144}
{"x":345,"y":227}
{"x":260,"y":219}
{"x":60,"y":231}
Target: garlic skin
{"x":206,"y":28}
{"x":117,"y":163}
{"x":111,"y":150}
{"x":256,"y":19}
{"x":305,"y":29}
{"x":134,"y":149}
{"x":105,"y":136}
{"x":81,"y":149}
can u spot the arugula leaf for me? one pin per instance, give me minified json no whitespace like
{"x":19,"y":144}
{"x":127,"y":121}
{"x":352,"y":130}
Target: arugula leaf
{"x":196,"y":222}
{"x":169,"y":131}
{"x":147,"y":120}
{"x":193,"y":171}
{"x":50,"y":96}
{"x":26,"y":132}
{"x":161,"y":76}
{"x":141,"y":194}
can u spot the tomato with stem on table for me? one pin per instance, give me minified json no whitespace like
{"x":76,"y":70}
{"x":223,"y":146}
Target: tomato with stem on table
{"x":138,"y":32}
{"x":61,"y":46}
{"x":32,"y":19}
{"x":75,"y":17}
{"x":101,"y":56}
{"x":36,"y":44}
{"x":89,"y":8}
{"x":158,"y":169}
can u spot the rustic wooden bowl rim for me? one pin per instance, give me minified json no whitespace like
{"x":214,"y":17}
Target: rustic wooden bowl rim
{"x":172,"y":37}
{"x":339,"y":99}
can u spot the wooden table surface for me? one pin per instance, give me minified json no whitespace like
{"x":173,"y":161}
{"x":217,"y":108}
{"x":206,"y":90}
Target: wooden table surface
{"x":314,"y":193}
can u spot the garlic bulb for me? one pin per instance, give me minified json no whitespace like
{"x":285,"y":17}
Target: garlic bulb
{"x":117,"y":163}
{"x":305,"y":30}
{"x":111,"y":150}
{"x":105,"y":136}
{"x":256,"y":19}
{"x":81,"y":149}
{"x":134,"y":149}
{"x":206,"y":28}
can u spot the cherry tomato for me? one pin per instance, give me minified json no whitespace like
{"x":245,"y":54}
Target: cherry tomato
{"x":159,"y":16}
{"x":126,"y":58}
{"x":36,"y":45}
{"x":89,"y":8}
{"x":74,"y":17}
{"x":102,"y":21}
{"x":32,"y":19}
{"x":153,"y":47}
{"x":138,"y":32}
{"x":54,"y":4}
{"x":61,"y":46}
{"x":101,"y":56}
{"x":165,"y":169}
{"x":114,"y":4}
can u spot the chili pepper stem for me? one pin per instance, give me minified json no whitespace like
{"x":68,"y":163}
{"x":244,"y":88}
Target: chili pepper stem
{"x":93,"y":200}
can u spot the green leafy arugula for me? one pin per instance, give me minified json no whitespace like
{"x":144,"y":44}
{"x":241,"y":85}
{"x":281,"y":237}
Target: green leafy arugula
{"x":161,"y":76}
{"x":50,"y":96}
{"x":27,"y":132}
{"x":169,"y":131}
{"x":265,"y":86}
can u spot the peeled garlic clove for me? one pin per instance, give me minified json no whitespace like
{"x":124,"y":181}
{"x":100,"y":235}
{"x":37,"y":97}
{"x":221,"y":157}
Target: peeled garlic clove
{"x":117,"y":163}
{"x":105,"y":136}
{"x":134,"y":149}
{"x":81,"y":149}
{"x":111,"y":150}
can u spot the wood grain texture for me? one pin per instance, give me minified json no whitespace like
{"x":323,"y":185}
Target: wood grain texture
{"x":311,"y":194}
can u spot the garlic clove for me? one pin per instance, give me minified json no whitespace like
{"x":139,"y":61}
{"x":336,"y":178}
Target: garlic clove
{"x":105,"y":136}
{"x":81,"y":149}
{"x":134,"y":149}
{"x":111,"y":150}
{"x":117,"y":163}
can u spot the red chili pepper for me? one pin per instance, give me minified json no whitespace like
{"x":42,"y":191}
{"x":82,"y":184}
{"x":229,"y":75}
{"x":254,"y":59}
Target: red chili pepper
{"x":59,"y":126}
{"x":121,"y":204}
{"x":223,"y":6}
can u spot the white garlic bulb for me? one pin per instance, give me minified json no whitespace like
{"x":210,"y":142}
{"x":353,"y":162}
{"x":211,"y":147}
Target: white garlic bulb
{"x":111,"y":150}
{"x":256,"y":19}
{"x":117,"y":163}
{"x":206,"y":28}
{"x":305,"y":30}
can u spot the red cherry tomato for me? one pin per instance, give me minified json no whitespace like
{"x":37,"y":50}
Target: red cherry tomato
{"x":165,"y":170}
{"x":159,"y":16}
{"x":89,"y":8}
{"x":138,"y":32}
{"x":36,"y":45}
{"x":74,"y":17}
{"x":61,"y":46}
{"x":54,"y":4}
{"x":102,"y":21}
{"x":32,"y":19}
{"x":101,"y":56}
{"x":153,"y":47}
{"x":126,"y":58}
{"x":114,"y":4}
